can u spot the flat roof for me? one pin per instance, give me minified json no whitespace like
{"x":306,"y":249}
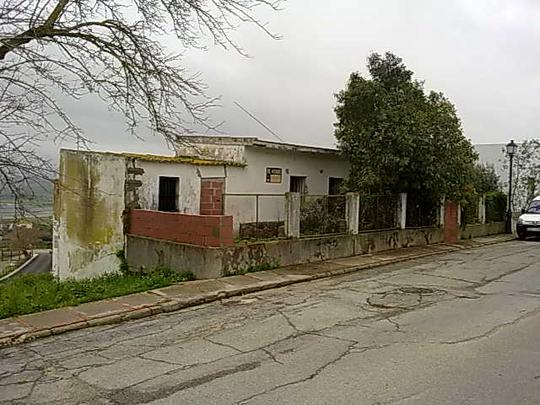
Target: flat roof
{"x":254,"y":142}
{"x":162,"y":158}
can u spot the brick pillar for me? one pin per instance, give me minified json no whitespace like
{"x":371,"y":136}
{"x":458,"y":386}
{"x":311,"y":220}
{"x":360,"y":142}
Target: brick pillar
{"x":451,"y":221}
{"x":352,"y":210}
{"x":212,"y":196}
{"x":292,"y":215}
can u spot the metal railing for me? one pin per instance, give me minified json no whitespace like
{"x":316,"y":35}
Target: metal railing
{"x":421,"y":212}
{"x":322,"y":214}
{"x":258,"y":215}
{"x":378,"y":212}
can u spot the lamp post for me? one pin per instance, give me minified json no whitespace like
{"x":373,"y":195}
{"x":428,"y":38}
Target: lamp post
{"x":511,"y":150}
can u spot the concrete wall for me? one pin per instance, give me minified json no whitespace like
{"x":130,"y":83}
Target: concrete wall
{"x":88,"y":207}
{"x":146,"y":253}
{"x":478,"y":230}
{"x":217,"y":262}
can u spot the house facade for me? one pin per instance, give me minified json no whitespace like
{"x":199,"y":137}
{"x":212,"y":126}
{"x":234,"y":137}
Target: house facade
{"x":254,"y":189}
{"x":242,"y":178}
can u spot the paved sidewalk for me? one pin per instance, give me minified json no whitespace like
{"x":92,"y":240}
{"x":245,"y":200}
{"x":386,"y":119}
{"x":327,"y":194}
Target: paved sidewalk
{"x":27,"y":327}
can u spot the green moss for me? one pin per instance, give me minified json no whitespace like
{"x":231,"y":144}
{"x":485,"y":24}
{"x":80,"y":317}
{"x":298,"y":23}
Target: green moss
{"x":271,"y":265}
{"x":86,"y":209}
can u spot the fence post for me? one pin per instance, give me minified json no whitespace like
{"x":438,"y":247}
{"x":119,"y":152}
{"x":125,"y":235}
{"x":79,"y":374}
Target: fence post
{"x":441,"y":213}
{"x":352,"y":212}
{"x":292,"y":215}
{"x":459,"y":214}
{"x":402,"y":211}
{"x":482,"y":209}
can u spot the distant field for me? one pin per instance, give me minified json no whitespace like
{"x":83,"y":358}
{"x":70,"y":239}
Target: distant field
{"x":41,"y":208}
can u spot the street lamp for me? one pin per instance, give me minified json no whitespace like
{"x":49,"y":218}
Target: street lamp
{"x":511,"y":150}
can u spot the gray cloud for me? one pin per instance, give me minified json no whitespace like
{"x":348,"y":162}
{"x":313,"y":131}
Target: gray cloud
{"x":482,"y":54}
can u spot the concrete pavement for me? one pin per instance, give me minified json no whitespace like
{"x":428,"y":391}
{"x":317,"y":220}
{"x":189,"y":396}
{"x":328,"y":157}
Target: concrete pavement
{"x":458,"y":328}
{"x":27,"y":327}
{"x":41,"y":264}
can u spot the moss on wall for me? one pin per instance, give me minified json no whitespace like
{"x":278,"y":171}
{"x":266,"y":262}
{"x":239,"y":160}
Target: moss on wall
{"x":87,"y":215}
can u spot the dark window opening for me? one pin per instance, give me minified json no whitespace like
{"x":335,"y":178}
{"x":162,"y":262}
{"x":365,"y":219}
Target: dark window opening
{"x":298,"y":184}
{"x":168,"y":194}
{"x":335,"y":185}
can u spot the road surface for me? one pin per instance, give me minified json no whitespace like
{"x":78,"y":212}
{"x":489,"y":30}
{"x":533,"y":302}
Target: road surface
{"x":41,"y":264}
{"x":461,"y":328}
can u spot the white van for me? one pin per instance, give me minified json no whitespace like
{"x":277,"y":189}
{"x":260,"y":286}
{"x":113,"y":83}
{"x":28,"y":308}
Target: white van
{"x":529,"y":222}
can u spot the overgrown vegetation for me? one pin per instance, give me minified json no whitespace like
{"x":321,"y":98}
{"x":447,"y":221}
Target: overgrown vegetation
{"x":271,"y":265}
{"x":34,"y":293}
{"x":397,"y":137}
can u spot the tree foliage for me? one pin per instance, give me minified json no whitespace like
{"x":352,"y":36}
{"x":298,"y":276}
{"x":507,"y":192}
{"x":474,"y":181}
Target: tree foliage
{"x":484,"y":179}
{"x":397,"y":137}
{"x":55,"y":50}
{"x":526,"y":173}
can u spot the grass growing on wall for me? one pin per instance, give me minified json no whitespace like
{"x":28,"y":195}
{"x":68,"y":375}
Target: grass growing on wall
{"x":40,"y":292}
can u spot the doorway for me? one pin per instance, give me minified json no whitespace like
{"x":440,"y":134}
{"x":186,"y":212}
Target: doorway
{"x":298,"y":184}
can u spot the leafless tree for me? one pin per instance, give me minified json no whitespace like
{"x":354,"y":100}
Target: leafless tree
{"x":53,"y":50}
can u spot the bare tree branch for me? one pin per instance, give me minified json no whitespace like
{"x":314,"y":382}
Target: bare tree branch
{"x":53,"y":50}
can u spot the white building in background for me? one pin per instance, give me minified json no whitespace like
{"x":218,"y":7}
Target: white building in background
{"x":495,"y":154}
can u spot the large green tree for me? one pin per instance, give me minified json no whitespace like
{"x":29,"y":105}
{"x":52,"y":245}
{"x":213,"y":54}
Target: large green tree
{"x":397,"y":137}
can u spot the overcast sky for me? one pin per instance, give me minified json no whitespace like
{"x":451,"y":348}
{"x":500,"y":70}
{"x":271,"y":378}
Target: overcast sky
{"x":483,"y":54}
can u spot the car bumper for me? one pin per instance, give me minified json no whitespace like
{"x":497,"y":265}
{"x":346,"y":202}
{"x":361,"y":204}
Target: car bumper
{"x":523,"y":229}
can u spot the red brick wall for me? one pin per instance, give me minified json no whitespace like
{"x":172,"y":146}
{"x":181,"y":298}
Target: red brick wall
{"x":199,"y":230}
{"x":212,"y":196}
{"x":451,"y":226}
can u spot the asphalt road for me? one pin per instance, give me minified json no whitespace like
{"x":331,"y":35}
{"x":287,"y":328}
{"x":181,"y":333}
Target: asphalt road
{"x":463,"y":328}
{"x":41,"y":264}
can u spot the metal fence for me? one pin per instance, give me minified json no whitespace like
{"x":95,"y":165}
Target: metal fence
{"x":421,"y":212}
{"x":470,"y":213}
{"x":257,"y":215}
{"x":495,"y":207}
{"x":322,"y":214}
{"x":378,"y":212}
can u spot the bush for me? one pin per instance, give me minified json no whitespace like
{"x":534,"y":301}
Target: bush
{"x":33,"y":293}
{"x":495,"y":207}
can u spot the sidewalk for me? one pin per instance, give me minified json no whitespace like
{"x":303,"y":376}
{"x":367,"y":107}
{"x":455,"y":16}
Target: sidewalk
{"x":27,"y":327}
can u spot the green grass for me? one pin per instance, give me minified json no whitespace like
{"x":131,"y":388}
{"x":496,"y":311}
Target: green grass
{"x":34,"y":293}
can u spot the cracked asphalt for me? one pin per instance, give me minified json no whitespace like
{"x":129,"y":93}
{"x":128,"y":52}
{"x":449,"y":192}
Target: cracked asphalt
{"x":460,"y":328}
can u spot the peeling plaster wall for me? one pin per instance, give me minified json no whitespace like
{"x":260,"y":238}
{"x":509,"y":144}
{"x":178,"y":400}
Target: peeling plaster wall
{"x":229,"y":153}
{"x":189,"y":185}
{"x":88,"y":207}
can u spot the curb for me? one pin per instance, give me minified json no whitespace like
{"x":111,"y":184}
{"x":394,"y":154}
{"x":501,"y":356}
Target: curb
{"x":166,"y":304}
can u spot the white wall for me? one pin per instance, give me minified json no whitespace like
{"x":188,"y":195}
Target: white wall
{"x":316,"y":167}
{"x":189,"y":185}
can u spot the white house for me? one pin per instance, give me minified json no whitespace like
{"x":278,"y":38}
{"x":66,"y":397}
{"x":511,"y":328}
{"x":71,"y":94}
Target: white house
{"x":245,"y":178}
{"x":254,"y":189}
